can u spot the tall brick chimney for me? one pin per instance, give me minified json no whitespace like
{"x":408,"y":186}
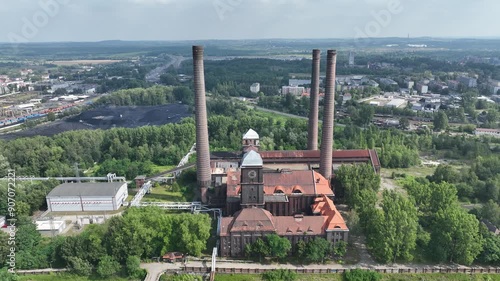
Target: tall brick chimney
{"x":325,"y":167}
{"x":312,"y":137}
{"x":203,"y":170}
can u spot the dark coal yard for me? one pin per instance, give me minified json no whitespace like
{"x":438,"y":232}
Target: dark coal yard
{"x":110,"y":117}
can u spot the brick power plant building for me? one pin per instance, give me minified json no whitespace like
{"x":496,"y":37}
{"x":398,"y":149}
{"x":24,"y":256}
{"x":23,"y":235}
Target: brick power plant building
{"x":274,"y":192}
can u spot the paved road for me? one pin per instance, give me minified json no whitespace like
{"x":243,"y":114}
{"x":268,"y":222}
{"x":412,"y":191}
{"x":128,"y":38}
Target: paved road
{"x":154,"y":75}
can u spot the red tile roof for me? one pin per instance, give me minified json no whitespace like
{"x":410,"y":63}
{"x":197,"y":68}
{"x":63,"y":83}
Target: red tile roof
{"x":337,"y":154}
{"x":249,"y":219}
{"x":324,"y":206}
{"x":305,"y":182}
{"x":260,"y":220}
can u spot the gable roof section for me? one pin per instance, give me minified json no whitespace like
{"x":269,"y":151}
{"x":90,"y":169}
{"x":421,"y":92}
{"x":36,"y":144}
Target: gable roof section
{"x":333,"y":219}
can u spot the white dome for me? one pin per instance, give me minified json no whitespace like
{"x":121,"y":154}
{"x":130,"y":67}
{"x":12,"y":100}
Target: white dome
{"x":251,"y":135}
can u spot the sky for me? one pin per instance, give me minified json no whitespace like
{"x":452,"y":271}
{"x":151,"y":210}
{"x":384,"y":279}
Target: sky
{"x":98,"y":20}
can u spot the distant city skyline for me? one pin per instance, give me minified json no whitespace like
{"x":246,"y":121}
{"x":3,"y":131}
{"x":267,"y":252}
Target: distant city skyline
{"x":176,"y":20}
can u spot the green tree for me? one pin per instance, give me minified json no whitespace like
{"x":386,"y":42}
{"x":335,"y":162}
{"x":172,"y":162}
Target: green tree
{"x":184,"y":95}
{"x":455,"y":236}
{"x":404,"y":123}
{"x":445,"y":173}
{"x":107,"y":267}
{"x":4,"y":166}
{"x":491,"y":249}
{"x":361,"y":275}
{"x":395,"y":229}
{"x":279,"y":247}
{"x":279,"y":275}
{"x":5,"y":275}
{"x":51,"y":116}
{"x":257,"y":249}
{"x":79,"y":266}
{"x":317,"y":250}
{"x":440,"y":121}
{"x":4,"y":248}
{"x":355,"y":178}
{"x":132,"y":265}
{"x":340,"y":249}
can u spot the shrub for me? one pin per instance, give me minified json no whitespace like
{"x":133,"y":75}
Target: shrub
{"x":279,"y":275}
{"x":361,"y":275}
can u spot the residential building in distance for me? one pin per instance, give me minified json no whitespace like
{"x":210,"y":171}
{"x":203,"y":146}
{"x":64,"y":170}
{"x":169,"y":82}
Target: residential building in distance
{"x":293,"y":90}
{"x":84,"y":197}
{"x":453,"y":84}
{"x":351,"y":59}
{"x":298,"y":82}
{"x":422,"y":88}
{"x":388,"y":82}
{"x":255,"y":88}
{"x":409,"y":84}
{"x":495,"y":87}
{"x":346,"y":97}
{"x":468,"y":81}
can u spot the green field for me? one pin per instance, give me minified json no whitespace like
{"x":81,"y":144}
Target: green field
{"x":385,"y":277}
{"x":67,"y":277}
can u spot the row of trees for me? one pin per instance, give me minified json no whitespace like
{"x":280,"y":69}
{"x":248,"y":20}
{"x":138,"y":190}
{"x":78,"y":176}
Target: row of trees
{"x":156,"y":95}
{"x":314,"y":250}
{"x":113,"y":248}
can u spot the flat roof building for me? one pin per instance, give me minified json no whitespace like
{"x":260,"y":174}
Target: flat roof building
{"x":50,"y":227}
{"x":83,"y":197}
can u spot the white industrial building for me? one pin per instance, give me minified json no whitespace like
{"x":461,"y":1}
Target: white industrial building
{"x":50,"y":227}
{"x":2,"y":221}
{"x":84,"y":197}
{"x":397,"y":103}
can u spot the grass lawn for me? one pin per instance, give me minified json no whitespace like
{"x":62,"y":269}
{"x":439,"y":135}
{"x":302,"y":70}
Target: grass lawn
{"x":161,"y":193}
{"x":418,"y":171}
{"x":66,"y":277}
{"x":275,"y":116}
{"x":158,"y":169}
{"x":385,"y":277}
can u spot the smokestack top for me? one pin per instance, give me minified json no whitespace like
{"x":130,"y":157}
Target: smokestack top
{"x":316,"y":54}
{"x":332,"y":52}
{"x":198,"y":52}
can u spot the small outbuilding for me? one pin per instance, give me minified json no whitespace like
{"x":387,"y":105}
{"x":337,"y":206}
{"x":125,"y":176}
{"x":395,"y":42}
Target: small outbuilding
{"x":50,"y":227}
{"x":173,"y":257}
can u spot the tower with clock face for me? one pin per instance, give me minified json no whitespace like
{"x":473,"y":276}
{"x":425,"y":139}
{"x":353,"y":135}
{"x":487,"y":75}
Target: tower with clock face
{"x":252,"y":180}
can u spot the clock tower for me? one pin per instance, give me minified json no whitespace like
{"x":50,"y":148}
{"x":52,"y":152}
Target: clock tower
{"x":252,"y":180}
